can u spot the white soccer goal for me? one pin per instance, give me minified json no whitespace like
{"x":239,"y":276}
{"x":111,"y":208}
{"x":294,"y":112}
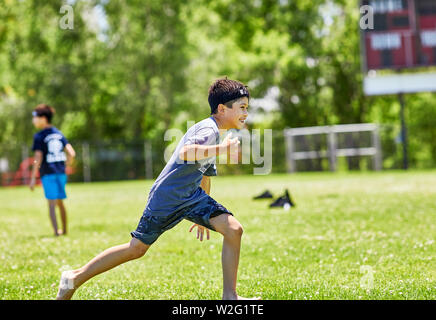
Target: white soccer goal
{"x":332,"y":142}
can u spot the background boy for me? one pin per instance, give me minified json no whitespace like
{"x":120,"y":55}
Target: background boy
{"x":182,"y":192}
{"x":49,"y":145}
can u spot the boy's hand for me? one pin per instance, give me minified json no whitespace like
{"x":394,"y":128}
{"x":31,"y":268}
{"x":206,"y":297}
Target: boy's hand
{"x":200,"y":231}
{"x":229,"y":142}
{"x":230,"y":146}
{"x":32,"y":184}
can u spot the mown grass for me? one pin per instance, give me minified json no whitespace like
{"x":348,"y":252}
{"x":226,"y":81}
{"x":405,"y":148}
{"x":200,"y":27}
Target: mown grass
{"x":382,"y":221}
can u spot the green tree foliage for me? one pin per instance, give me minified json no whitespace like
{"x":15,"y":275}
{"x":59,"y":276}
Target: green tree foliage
{"x":129,"y":70}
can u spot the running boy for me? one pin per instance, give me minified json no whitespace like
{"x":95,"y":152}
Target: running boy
{"x":182,"y":192}
{"x":49,"y":145}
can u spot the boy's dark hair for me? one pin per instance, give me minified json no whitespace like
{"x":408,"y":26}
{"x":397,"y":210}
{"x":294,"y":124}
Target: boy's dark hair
{"x":225,"y":90}
{"x":44,"y":110}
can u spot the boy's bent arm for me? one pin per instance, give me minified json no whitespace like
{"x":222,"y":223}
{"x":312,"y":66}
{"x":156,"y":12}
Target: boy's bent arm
{"x":36,"y":163}
{"x":71,"y":154}
{"x":195,"y":152}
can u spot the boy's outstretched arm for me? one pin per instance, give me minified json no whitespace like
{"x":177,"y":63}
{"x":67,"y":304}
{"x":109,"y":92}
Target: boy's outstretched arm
{"x":36,"y":163}
{"x":205,"y":184}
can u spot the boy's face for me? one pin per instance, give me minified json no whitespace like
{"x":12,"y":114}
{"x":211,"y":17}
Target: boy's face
{"x":235,"y":116}
{"x":39,"y":122}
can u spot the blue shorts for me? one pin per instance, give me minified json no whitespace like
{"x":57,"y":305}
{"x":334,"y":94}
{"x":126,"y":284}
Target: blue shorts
{"x":54,"y":185}
{"x":150,"y":227}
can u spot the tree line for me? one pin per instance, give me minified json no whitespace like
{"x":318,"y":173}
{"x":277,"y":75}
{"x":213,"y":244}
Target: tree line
{"x":130,"y":70}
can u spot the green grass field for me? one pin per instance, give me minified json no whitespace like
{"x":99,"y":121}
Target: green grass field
{"x":385,"y":222}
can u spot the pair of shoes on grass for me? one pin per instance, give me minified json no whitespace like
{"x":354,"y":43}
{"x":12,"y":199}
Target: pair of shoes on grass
{"x":284,"y":201}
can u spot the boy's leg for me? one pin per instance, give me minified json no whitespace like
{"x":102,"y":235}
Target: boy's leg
{"x":52,"y":214}
{"x":50,"y":192}
{"x":232,"y":231}
{"x":212,"y":215}
{"x":61,"y":206}
{"x":148,"y":230}
{"x":105,"y":261}
{"x":60,"y":182}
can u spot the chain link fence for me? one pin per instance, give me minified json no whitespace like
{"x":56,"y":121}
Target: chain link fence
{"x":102,"y":161}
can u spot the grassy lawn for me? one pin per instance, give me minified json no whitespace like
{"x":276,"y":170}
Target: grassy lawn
{"x":385,"y":222}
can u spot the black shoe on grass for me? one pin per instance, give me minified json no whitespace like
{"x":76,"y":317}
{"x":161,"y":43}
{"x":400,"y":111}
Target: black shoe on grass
{"x":265,"y":195}
{"x":283,"y":201}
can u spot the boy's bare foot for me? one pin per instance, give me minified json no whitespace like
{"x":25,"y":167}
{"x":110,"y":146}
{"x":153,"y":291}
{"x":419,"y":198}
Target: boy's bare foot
{"x":61,"y":232}
{"x":66,"y":286}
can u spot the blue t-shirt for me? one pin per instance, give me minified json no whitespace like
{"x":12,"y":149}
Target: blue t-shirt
{"x":52,"y":143}
{"x":178,"y":185}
